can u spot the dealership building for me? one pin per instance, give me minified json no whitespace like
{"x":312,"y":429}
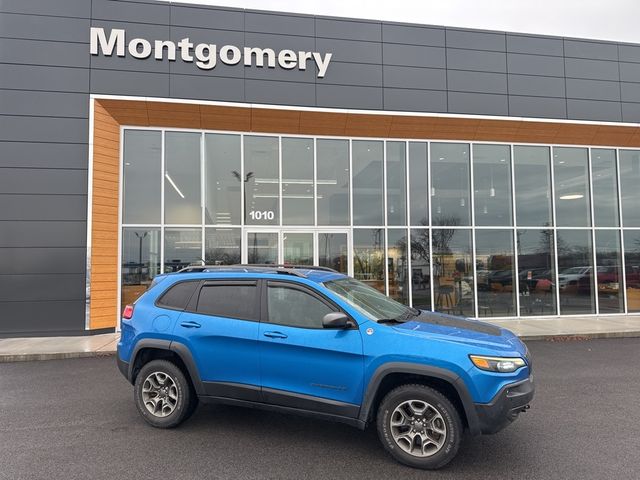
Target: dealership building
{"x":479,"y":173}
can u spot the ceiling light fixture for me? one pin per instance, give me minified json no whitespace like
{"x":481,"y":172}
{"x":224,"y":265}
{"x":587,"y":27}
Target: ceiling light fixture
{"x":166,"y":174}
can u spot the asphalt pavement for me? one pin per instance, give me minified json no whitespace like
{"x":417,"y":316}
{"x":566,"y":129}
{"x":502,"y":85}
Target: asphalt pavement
{"x":75,"y":419}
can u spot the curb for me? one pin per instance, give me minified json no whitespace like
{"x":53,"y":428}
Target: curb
{"x":568,"y":337}
{"x":29,"y":357}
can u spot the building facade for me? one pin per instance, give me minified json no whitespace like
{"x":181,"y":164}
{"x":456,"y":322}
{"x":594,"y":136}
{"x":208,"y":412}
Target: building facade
{"x":485,"y":174}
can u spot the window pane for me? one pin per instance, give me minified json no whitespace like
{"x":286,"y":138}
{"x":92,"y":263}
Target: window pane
{"x":605,"y":188}
{"x":453,"y":271}
{"x":570,"y":168}
{"x":222,"y":187}
{"x":295,"y":308}
{"x":419,"y":183}
{"x":368,"y":257}
{"x":298,"y":248}
{"x":333,"y":251}
{"x":367,"y":183}
{"x":142,"y":170}
{"x":632,"y":269}
{"x":496,"y":271}
{"x":181,"y":248}
{"x":575,"y":272}
{"x":140,"y":261}
{"x":397,"y":265}
{"x":450,"y":184}
{"x":420,"y":273}
{"x":182,"y":178}
{"x":396,"y":183}
{"x":233,"y":300}
{"x":333,"y":181}
{"x":261,"y":180}
{"x":533,"y":186}
{"x":629,"y":181}
{"x":609,"y":268}
{"x":537,"y":275}
{"x":492,"y":179}
{"x":222,"y":246}
{"x":262,"y":248}
{"x":179,"y":295}
{"x":297,"y":181}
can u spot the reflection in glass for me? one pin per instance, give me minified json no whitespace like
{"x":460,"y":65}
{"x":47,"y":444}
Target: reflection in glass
{"x":222,"y":246}
{"x":495,"y":273}
{"x":332,"y":181}
{"x":261,"y":180}
{"x":298,"y":248}
{"x":367,"y":183}
{"x":608,"y":271}
{"x":222,"y":171}
{"x":571,"y":168}
{"x":629,"y":181}
{"x":605,"y":187}
{"x":142,"y":170}
{"x":396,"y":183}
{"x":397,"y":266}
{"x":297,"y":181}
{"x":450,"y":203}
{"x":537,"y":276}
{"x":262,"y":248}
{"x":575,"y":272}
{"x":492,"y":184}
{"x":182,"y":202}
{"x":140,"y":262}
{"x":182,"y":248}
{"x":419,"y":183}
{"x":420,"y":273}
{"x":453,"y":271}
{"x":333,"y":251}
{"x":368,"y":257}
{"x":632,"y":269}
{"x":532,"y":186}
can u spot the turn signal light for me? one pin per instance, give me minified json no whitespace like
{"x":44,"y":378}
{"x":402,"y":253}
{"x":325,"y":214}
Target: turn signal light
{"x":128,"y":312}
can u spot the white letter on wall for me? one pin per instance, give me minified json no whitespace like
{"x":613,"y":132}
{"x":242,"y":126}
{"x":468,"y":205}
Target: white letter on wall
{"x":116,"y":39}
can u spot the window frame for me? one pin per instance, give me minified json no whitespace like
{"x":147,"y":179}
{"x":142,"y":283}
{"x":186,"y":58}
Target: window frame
{"x":157,"y":303}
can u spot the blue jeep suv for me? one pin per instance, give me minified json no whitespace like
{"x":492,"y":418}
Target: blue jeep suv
{"x":312,"y":341}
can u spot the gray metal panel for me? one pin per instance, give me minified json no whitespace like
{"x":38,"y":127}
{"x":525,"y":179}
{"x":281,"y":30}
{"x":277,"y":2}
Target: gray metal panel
{"x":476,"y":40}
{"x":533,"y":85}
{"x":42,"y":260}
{"x":157,"y":12}
{"x":350,"y":50}
{"x":412,"y":35}
{"x":535,"y":45}
{"x":535,"y":65}
{"x":593,"y":89}
{"x":43,"y":207}
{"x":43,"y":180}
{"x":38,"y":288}
{"x":278,"y":43}
{"x":352,"y":74}
{"x":477,"y":103}
{"x":631,"y":112}
{"x":203,"y":17}
{"x":542,"y":107}
{"x":341,"y":96}
{"x":629,"y":53}
{"x":63,"y":8}
{"x":116,"y":82}
{"x":590,"y":50}
{"x":31,"y":77}
{"x":280,"y":92}
{"x":43,"y":234}
{"x":36,"y":27}
{"x":629,"y":72}
{"x":279,"y":24}
{"x":39,"y":52}
{"x":348,"y":29}
{"x":43,"y":129}
{"x":49,"y":104}
{"x":413,"y":55}
{"x":481,"y":82}
{"x":53,"y":317}
{"x":402,"y":99}
{"x":409,"y":77}
{"x":591,"y":69}
{"x":207,"y":88}
{"x":630,"y":92}
{"x":594,"y":110}
{"x":48,"y":155}
{"x":476,"y":60}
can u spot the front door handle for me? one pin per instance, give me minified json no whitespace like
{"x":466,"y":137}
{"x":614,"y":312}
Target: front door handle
{"x":275,"y":335}
{"x":190,"y":324}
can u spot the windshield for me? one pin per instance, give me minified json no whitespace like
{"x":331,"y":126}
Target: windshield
{"x":369,"y":301}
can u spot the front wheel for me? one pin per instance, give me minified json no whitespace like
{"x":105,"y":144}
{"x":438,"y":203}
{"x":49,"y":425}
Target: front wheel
{"x":419,"y":426}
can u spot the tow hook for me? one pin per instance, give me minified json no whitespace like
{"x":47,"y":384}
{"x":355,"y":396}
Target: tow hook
{"x":525,"y":408}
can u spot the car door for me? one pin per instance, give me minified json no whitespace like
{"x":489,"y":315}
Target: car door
{"x":304,"y":365}
{"x":220,"y":327}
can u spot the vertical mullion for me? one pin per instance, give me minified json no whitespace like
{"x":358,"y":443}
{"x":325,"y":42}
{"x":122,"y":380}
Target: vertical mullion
{"x":623,"y":273}
{"x":351,"y":262}
{"x":384,"y":218}
{"x":202,"y":196}
{"x":244,"y":236}
{"x":430,"y":226}
{"x":472,"y":207}
{"x":162,"y":173}
{"x":593,"y":233}
{"x":516,"y":281}
{"x":554,"y":229}
{"x":409,"y":278}
{"x":280,"y":216}
{"x":315,"y":181}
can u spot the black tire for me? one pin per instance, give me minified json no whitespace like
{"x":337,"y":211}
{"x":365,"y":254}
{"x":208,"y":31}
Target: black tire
{"x":449,"y":418}
{"x":186,"y":399}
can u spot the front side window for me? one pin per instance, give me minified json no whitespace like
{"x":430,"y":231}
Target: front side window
{"x":293,"y":307}
{"x":234,"y":300}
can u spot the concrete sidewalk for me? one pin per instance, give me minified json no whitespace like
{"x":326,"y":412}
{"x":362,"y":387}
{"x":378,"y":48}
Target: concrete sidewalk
{"x":549,"y":328}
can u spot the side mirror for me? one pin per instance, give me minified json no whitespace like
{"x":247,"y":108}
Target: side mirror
{"x":336,"y":320}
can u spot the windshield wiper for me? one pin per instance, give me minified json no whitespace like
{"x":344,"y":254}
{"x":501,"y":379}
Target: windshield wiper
{"x":411,"y":312}
{"x":389,"y":320}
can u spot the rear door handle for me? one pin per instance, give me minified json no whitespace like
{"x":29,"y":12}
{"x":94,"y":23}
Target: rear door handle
{"x":275,"y":335}
{"x":190,"y":324}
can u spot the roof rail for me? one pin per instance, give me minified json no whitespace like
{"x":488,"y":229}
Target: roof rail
{"x":263,"y":267}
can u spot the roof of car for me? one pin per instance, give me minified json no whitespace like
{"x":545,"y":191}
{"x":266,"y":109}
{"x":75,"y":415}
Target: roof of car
{"x":312,"y":273}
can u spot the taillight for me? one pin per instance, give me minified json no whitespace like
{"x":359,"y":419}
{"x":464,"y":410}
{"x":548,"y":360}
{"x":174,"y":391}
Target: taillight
{"x":128,"y":312}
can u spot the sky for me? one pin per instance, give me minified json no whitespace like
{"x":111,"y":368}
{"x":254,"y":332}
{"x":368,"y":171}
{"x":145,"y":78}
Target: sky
{"x":597,"y":19}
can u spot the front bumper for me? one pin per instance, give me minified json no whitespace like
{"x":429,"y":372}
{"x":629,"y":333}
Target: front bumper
{"x":505,"y":407}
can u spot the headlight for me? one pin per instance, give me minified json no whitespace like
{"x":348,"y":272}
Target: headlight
{"x":497,"y":364}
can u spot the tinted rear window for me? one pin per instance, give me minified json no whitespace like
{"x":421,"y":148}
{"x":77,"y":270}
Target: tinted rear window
{"x":178,"y":296}
{"x":229,"y":300}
